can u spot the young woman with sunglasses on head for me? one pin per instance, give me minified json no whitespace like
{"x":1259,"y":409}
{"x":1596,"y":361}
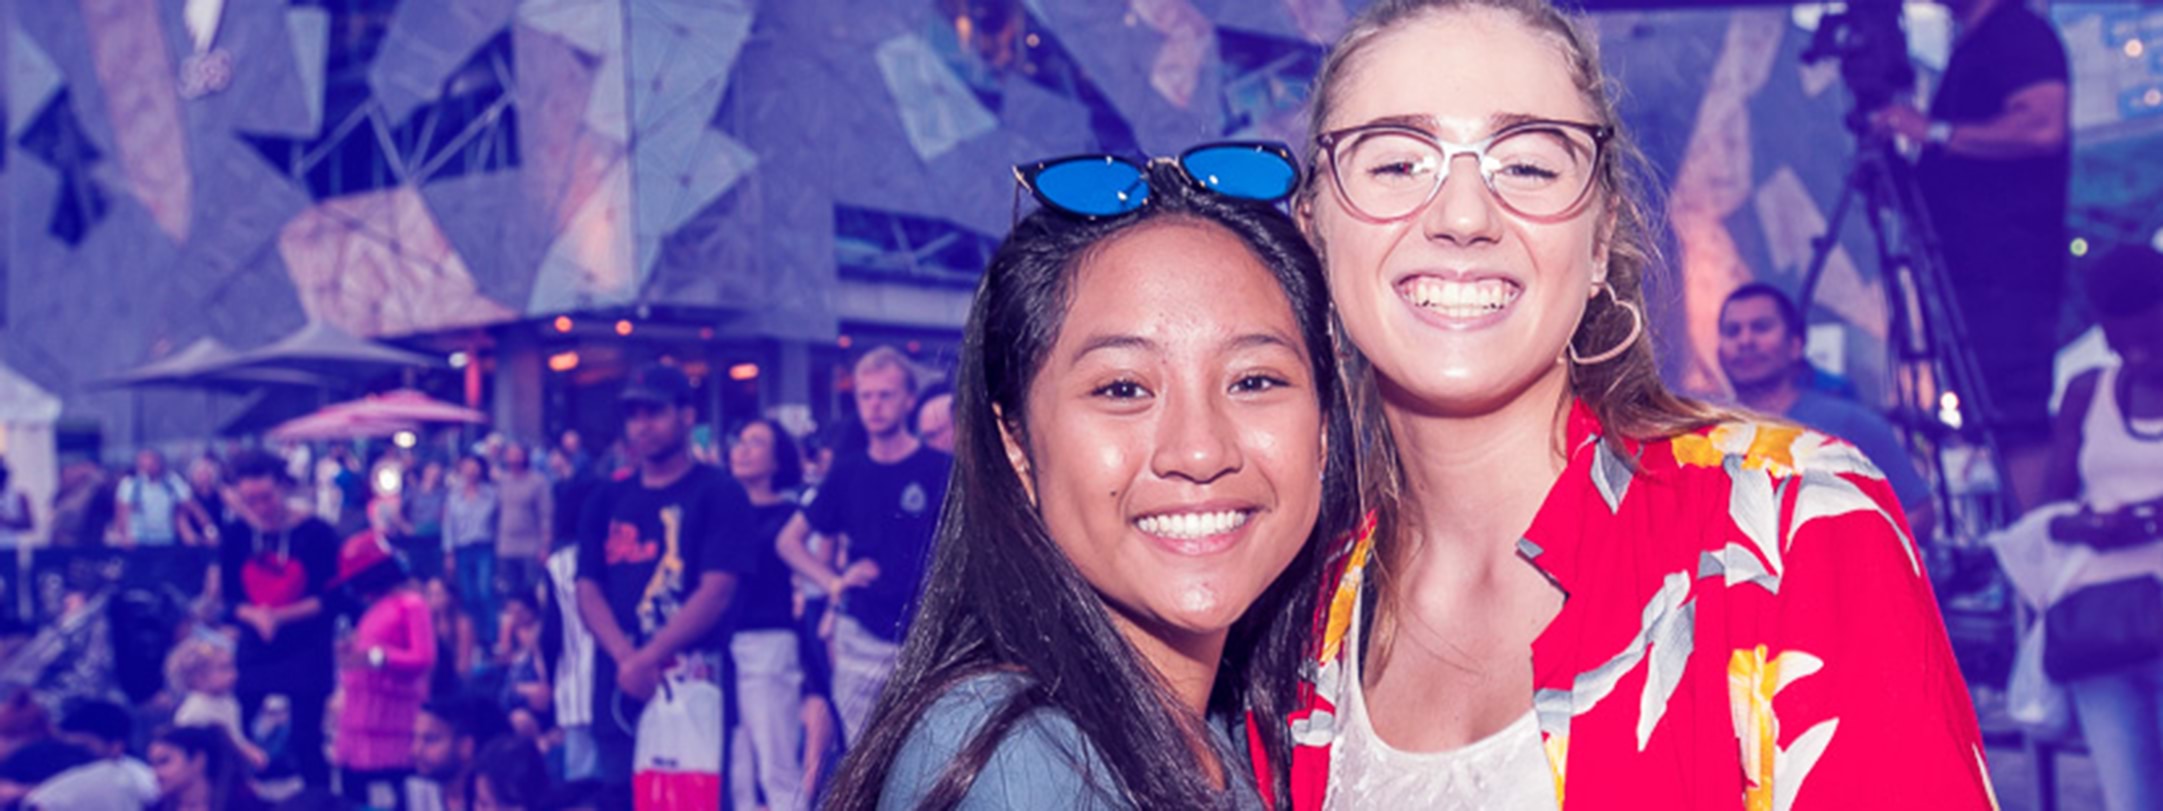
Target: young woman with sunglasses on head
{"x":1576,"y":587}
{"x":1145,"y":404}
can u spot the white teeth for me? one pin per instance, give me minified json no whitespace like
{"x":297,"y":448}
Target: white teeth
{"x":1461,"y":299}
{"x":1193,"y":525}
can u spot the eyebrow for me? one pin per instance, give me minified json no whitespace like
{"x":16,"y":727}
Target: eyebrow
{"x":1102,"y":342}
{"x":1427,"y":123}
{"x":1251,"y":340}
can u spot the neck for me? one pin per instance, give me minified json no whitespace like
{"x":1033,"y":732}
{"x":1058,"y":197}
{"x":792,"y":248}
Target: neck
{"x":196,"y":795}
{"x":665,"y":470}
{"x":1473,"y":482}
{"x":1773,"y":397}
{"x":892,"y":446}
{"x":761,"y":490}
{"x":1186,"y":663}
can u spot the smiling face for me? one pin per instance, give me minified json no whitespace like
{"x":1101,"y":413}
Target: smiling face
{"x":1175,"y":432}
{"x":1462,"y":305}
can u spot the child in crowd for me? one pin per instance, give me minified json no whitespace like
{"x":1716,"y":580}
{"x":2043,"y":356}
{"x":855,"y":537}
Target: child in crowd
{"x":201,"y":670}
{"x":527,"y":698}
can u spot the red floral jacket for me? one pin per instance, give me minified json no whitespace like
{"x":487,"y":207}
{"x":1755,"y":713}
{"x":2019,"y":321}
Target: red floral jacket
{"x":1747,"y":626}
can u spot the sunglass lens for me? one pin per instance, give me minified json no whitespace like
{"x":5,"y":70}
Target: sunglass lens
{"x":1096,"y":186}
{"x":1242,"y":170}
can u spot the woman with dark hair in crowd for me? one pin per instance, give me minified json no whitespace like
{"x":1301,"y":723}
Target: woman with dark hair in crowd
{"x":1146,"y":405}
{"x":770,"y":676}
{"x":457,"y":654}
{"x":1577,"y":586}
{"x":383,"y":669}
{"x":198,"y":770}
{"x":2107,"y":454}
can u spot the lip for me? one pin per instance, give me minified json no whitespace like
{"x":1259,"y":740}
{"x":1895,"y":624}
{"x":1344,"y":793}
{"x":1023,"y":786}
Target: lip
{"x":1205,"y":545}
{"x":1438,"y":319}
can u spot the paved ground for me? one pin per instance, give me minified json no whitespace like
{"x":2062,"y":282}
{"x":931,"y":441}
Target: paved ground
{"x":2013,"y":773}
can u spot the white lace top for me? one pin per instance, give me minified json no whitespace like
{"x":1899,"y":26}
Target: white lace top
{"x":1506,"y":771}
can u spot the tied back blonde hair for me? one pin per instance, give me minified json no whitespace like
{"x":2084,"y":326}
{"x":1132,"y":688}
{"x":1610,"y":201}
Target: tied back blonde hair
{"x":1625,"y":391}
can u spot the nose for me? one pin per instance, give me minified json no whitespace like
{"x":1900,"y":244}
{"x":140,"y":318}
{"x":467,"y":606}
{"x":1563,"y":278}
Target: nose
{"x":1464,"y":211}
{"x":1196,"y":440}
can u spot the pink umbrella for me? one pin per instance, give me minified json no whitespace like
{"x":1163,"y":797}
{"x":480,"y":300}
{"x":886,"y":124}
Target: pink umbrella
{"x":331,"y":423}
{"x":375,"y":415}
{"x":408,"y":405}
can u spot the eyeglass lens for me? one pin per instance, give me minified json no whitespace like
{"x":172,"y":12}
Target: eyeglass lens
{"x":1535,"y":171}
{"x":1242,"y":171}
{"x":1097,"y":187}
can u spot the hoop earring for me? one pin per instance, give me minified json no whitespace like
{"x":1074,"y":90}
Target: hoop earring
{"x":1637,"y":330}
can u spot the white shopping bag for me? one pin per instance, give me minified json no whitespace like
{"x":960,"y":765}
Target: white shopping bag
{"x":676,"y":764}
{"x":2039,"y":705}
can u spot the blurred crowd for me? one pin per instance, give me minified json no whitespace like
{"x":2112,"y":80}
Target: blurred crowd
{"x":387,"y":627}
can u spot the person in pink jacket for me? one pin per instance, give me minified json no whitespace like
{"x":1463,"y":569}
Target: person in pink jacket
{"x":383,"y":670}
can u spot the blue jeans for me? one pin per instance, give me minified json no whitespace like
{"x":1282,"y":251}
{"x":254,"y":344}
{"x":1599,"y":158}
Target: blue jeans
{"x":2121,"y":715}
{"x":477,"y":589}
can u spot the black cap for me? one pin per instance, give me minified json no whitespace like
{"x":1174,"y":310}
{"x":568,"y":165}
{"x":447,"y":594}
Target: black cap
{"x":657,"y":384}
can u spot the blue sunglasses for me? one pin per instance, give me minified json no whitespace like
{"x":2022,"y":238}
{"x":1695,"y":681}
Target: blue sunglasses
{"x":1099,"y":186}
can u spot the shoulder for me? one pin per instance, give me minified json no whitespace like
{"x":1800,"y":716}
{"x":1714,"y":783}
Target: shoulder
{"x":1041,"y":761}
{"x":1779,"y":449}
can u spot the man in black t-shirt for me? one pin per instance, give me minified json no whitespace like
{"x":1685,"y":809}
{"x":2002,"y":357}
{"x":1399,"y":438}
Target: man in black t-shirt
{"x":1994,"y":173}
{"x":659,"y":563}
{"x":274,"y":570}
{"x":883,"y":506}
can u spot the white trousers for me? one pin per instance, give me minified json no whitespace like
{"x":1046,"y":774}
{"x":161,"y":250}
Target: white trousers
{"x":861,"y":664}
{"x":770,"y":731}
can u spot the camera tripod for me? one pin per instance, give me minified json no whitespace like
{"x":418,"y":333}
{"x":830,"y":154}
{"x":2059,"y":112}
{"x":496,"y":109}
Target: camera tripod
{"x":1926,"y":340}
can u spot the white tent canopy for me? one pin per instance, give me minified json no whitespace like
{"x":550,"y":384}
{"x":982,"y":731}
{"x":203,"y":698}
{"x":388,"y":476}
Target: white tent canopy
{"x":27,"y":414}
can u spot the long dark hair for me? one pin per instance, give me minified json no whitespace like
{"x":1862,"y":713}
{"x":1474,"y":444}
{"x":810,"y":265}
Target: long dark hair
{"x":788,"y":463}
{"x":1001,"y":596}
{"x":221,"y":762}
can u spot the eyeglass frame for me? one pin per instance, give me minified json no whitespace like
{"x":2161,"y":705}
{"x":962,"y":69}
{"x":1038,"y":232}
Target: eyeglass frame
{"x":1025,"y":175}
{"x":1600,"y":133}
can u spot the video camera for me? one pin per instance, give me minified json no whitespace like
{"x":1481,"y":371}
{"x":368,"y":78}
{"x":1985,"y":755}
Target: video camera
{"x":1866,"y":38}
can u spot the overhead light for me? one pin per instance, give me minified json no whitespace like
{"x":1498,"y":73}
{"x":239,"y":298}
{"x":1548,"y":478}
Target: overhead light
{"x":563,"y":361}
{"x":744,"y":371}
{"x":623,"y":327}
{"x":843,"y":341}
{"x":405,"y":439}
{"x":389,"y":477}
{"x":563,"y":323}
{"x":458,"y":360}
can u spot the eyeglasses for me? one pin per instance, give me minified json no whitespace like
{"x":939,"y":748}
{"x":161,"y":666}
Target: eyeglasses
{"x":1098,"y":186}
{"x":1535,"y":168}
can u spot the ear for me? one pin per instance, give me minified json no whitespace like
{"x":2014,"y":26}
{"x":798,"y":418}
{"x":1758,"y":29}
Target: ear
{"x":1016,"y":455}
{"x":1303,"y":216}
{"x":1603,"y":244}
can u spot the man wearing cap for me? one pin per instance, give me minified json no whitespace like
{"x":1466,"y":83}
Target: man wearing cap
{"x":658,"y":567}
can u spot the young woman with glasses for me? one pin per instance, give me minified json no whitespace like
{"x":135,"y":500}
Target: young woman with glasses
{"x":1146,"y":406}
{"x":1574,"y":586}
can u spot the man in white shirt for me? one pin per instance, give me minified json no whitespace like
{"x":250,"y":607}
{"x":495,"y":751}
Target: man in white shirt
{"x":149,"y":503}
{"x":114,"y":781}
